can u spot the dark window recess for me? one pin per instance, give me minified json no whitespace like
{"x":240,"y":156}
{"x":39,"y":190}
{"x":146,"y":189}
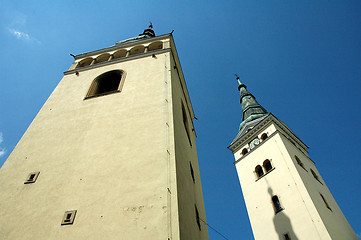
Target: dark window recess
{"x":185,"y":123}
{"x":106,"y":83}
{"x":197,"y":218}
{"x":324,"y":200}
{"x":264,"y":136}
{"x":276,"y":204}
{"x":192,"y":172}
{"x":300,"y":163}
{"x":287,"y":236}
{"x":69,"y":217}
{"x":259,"y":171}
{"x":244,"y":151}
{"x":267,"y":165}
{"x":315,"y":176}
{"x":31,"y":177}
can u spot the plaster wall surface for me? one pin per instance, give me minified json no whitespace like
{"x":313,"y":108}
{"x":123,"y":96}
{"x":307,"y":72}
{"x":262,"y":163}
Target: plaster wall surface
{"x":190,"y":196}
{"x":332,"y":217}
{"x":112,"y":158}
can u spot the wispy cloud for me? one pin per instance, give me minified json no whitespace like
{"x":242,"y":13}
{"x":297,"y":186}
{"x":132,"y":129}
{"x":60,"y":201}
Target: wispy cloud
{"x":19,"y":35}
{"x":23,"y":35}
{"x":2,"y":150}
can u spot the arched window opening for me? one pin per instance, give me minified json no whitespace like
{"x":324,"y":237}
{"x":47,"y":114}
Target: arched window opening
{"x":259,"y":171}
{"x":276,"y":204}
{"x":315,"y":176}
{"x":244,"y":151}
{"x":324,"y":200}
{"x":106,"y":83}
{"x":102,"y":58}
{"x":137,"y":50}
{"x":264,"y":136}
{"x":267,"y":165}
{"x":84,"y":62}
{"x":120,"y":54}
{"x":155,"y":46}
{"x":186,"y":124}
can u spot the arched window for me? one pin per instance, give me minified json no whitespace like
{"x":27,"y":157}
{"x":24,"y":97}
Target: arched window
{"x":106,"y":83}
{"x":155,"y":46}
{"x":120,"y":54}
{"x":276,"y":204}
{"x":264,"y":136}
{"x":137,"y":50}
{"x":84,"y":62}
{"x":244,"y":151}
{"x":315,"y":176}
{"x":102,"y":58}
{"x":267,"y":165}
{"x":259,"y":171}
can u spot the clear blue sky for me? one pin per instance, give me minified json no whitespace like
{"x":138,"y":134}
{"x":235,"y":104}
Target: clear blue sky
{"x":301,"y":59}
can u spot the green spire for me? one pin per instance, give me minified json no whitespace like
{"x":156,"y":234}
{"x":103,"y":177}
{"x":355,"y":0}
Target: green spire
{"x":251,"y":109}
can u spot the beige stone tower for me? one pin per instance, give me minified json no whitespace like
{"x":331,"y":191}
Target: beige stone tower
{"x":285,"y":196}
{"x":111,"y":154}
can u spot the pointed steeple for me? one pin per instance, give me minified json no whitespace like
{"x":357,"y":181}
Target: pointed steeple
{"x":251,"y":109}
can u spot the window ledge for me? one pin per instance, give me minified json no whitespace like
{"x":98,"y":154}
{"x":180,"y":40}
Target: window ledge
{"x":265,"y":174}
{"x":102,"y":94}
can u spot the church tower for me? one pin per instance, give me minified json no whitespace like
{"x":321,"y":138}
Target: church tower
{"x":285,"y":196}
{"x":111,"y":154}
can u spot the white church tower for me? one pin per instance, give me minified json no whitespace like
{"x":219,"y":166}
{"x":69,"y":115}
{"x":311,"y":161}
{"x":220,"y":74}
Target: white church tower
{"x":111,"y":154}
{"x":285,"y":196}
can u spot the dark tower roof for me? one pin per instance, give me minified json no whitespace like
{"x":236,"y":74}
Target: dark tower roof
{"x":147,"y":33}
{"x":251,"y":109}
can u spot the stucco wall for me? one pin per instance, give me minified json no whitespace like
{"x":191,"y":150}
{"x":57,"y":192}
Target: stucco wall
{"x":108,"y":157}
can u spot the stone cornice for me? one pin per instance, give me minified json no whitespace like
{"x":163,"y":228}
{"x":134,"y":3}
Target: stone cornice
{"x":235,"y":146}
{"x":122,"y":45}
{"x":117,"y":61}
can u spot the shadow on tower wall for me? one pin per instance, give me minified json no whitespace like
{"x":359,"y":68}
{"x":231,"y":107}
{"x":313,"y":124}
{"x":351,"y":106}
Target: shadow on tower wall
{"x":282,"y":223}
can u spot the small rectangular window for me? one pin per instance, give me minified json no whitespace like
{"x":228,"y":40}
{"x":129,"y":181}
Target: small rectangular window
{"x":68,"y":217}
{"x":31,"y":177}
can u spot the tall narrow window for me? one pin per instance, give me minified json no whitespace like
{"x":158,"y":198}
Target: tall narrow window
{"x":192,"y":172}
{"x":276,"y":204}
{"x":267,"y":165}
{"x":324,"y":200}
{"x":106,"y":83}
{"x":300,"y":163}
{"x":185,"y":123}
{"x":197,"y":218}
{"x":315,"y":176}
{"x":259,"y":171}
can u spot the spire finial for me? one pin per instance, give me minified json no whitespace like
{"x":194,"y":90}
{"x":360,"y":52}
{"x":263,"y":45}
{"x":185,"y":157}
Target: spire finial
{"x":239,"y":81}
